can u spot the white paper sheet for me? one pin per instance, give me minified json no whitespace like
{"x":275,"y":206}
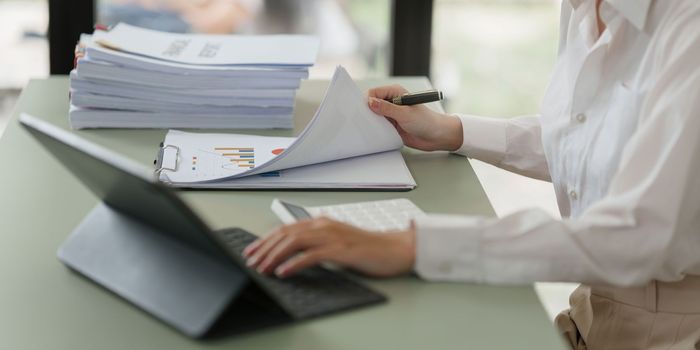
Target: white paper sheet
{"x":127,"y":89}
{"x":343,"y":127}
{"x":211,"y":49}
{"x":104,"y":54}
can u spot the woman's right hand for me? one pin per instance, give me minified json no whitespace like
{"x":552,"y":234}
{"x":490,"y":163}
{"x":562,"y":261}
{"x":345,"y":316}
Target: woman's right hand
{"x":419,"y":126}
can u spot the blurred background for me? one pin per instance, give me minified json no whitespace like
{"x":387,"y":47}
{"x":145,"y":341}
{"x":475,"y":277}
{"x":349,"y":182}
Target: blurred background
{"x":490,"y":57}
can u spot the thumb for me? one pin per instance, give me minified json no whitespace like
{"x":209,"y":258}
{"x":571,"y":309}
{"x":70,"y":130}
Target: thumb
{"x":386,"y":108}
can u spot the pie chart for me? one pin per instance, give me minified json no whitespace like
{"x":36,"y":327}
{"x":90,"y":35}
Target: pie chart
{"x":277,"y":151}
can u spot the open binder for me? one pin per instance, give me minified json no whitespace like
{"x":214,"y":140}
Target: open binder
{"x":345,"y":146}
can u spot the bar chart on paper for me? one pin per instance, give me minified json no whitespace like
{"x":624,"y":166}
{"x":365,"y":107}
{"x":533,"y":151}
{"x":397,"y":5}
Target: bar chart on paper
{"x":239,"y":157}
{"x":223,"y":160}
{"x":206,"y":157}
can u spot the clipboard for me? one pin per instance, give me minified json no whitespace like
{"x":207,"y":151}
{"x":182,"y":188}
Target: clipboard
{"x":384,"y":171}
{"x":169,"y":164}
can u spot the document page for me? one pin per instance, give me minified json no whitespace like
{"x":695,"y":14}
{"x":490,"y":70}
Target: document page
{"x":210,"y":49}
{"x":98,"y":52}
{"x":343,"y":127}
{"x":206,"y":157}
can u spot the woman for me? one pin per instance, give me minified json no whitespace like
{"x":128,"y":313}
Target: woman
{"x":619,"y":137}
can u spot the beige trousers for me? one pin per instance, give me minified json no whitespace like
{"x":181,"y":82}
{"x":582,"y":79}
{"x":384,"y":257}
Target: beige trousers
{"x":658,"y":316}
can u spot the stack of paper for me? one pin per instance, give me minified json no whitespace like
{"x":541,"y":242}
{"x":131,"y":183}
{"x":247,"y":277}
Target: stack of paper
{"x":132,"y":77}
{"x":345,"y":146}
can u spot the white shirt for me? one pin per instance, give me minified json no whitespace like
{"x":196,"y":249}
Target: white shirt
{"x":618,"y":135}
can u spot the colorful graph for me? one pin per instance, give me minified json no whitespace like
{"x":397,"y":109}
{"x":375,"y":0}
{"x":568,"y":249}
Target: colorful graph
{"x":241,"y":157}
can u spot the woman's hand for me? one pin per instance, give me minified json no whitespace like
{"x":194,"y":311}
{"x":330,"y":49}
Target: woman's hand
{"x":419,"y":126}
{"x":294,"y":247}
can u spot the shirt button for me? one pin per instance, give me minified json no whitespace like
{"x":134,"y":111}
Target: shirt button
{"x":573,"y":194}
{"x":581,"y":118}
{"x":445,"y":267}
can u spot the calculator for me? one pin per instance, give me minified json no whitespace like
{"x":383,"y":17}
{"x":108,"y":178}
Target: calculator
{"x":381,"y":215}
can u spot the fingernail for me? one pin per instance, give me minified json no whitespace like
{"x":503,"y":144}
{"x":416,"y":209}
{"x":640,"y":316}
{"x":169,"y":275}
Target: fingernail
{"x":264,"y":267}
{"x":250,"y":262}
{"x":250,"y":247}
{"x":373,"y":103}
{"x":281,"y":272}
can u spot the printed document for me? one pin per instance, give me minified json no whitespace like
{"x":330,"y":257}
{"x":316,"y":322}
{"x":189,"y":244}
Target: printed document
{"x":344,"y":133}
{"x":211,"y":49}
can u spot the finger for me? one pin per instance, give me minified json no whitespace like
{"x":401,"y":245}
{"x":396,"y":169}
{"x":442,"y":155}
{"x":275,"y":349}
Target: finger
{"x":254,"y":260}
{"x":305,"y":260}
{"x":262,"y":248}
{"x":388,"y":109}
{"x":292,"y":244}
{"x":254,"y":247}
{"x":388,"y":91}
{"x":251,"y":248}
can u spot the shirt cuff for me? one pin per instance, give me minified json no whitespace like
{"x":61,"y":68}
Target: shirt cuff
{"x":484,"y":138}
{"x":448,"y":248}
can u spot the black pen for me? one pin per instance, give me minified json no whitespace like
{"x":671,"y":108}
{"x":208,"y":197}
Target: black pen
{"x":415,"y":98}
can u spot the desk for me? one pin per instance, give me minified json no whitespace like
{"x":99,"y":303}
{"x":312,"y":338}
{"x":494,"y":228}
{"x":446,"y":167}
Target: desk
{"x":45,"y":306}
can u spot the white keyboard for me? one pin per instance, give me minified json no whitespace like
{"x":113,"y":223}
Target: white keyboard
{"x":383,"y":215}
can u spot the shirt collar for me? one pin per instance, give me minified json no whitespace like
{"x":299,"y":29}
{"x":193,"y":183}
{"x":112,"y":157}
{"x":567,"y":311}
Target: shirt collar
{"x":635,"y":11}
{"x":575,"y":3}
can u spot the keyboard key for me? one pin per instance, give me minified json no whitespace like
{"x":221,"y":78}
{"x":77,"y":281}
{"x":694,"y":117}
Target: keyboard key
{"x":384,"y":215}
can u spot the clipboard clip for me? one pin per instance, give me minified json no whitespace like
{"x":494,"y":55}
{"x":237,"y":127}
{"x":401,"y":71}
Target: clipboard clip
{"x":159,"y":162}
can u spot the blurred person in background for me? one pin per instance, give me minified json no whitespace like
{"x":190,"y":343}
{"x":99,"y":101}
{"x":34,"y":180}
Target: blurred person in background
{"x":618,"y":135}
{"x":180,"y":16}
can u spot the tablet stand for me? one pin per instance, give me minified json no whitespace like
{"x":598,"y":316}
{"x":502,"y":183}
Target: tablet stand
{"x":174,"y":282}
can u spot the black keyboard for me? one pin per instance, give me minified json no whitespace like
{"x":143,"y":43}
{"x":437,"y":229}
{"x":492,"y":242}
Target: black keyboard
{"x":312,"y":292}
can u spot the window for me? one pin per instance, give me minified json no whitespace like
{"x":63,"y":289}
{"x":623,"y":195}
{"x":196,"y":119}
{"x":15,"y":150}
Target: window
{"x":25,"y":51}
{"x":494,"y":57}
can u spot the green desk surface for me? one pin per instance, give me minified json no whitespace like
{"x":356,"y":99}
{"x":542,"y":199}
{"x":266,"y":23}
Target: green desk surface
{"x":43,"y":305}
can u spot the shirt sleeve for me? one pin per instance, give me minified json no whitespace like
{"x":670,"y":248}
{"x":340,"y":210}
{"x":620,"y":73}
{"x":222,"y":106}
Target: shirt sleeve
{"x":512,"y":144}
{"x":646,"y":227}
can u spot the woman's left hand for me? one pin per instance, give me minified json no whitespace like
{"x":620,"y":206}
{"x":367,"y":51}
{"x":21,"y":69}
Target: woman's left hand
{"x":294,"y":247}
